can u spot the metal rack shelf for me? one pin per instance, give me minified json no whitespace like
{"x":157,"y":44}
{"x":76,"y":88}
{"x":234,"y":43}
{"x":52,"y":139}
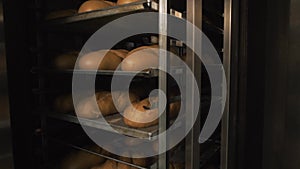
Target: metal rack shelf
{"x":91,"y":21}
{"x":115,"y":121}
{"x":150,"y":73}
{"x":204,"y":158}
{"x":97,"y":154}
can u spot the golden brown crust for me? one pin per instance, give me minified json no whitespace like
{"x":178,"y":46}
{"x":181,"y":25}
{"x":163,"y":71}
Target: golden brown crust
{"x":144,"y":162}
{"x":92,"y":5}
{"x":111,"y":3}
{"x":104,"y":102}
{"x":121,"y":53}
{"x":122,"y":2}
{"x":142,"y":48}
{"x":110,"y":164}
{"x":140,"y":115}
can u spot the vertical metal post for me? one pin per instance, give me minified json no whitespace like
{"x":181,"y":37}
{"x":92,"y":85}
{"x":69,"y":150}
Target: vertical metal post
{"x":194,"y":15}
{"x":226,"y":63}
{"x":162,"y":81}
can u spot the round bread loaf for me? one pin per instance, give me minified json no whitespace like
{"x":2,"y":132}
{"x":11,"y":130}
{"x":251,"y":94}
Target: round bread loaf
{"x":81,"y":159}
{"x":110,"y":164}
{"x":88,"y":109}
{"x":66,"y":61}
{"x":142,"y":48}
{"x":143,"y":162}
{"x":105,"y":103}
{"x":140,"y":114}
{"x":121,"y":53}
{"x":93,"y":5}
{"x":61,"y":13}
{"x":141,"y":59}
{"x":122,"y":2}
{"x":109,"y":2}
{"x":125,"y":159}
{"x":101,"y":60}
{"x":64,"y":104}
{"x":122,"y":99}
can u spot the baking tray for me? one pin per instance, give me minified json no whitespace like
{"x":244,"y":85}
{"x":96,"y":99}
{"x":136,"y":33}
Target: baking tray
{"x":150,"y":73}
{"x":93,"y":20}
{"x":64,"y":143}
{"x":114,"y":121}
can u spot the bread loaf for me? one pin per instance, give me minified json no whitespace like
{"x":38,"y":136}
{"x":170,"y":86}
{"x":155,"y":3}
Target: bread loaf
{"x":123,"y":101}
{"x":92,"y":5}
{"x":66,"y":60}
{"x":125,"y":159}
{"x":141,"y":59}
{"x":100,"y":60}
{"x":143,"y":162}
{"x":64,"y":104}
{"x":122,"y":2}
{"x":109,"y":2}
{"x":140,"y":114}
{"x":109,"y":164}
{"x":82,"y":160}
{"x":142,"y":48}
{"x":120,"y":52}
{"x":87,"y":109}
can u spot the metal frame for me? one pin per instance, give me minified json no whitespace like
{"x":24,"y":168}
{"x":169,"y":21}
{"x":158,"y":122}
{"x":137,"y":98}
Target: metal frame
{"x":22,"y":74}
{"x":226,"y":63}
{"x":194,"y":15}
{"x":162,"y":80}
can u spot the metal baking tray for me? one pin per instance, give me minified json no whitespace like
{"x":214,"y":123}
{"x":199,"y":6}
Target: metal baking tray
{"x":150,"y":73}
{"x":64,"y":143}
{"x":115,"y":121}
{"x":95,"y":19}
{"x":91,"y":21}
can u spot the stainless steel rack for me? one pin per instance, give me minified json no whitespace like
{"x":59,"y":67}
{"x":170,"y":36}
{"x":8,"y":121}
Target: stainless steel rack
{"x":92,"y":21}
{"x":97,"y":154}
{"x":115,"y":121}
{"x":107,"y":13}
{"x":211,"y":150}
{"x":150,"y":73}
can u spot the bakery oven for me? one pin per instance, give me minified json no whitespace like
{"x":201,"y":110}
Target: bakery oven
{"x":67,"y":114}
